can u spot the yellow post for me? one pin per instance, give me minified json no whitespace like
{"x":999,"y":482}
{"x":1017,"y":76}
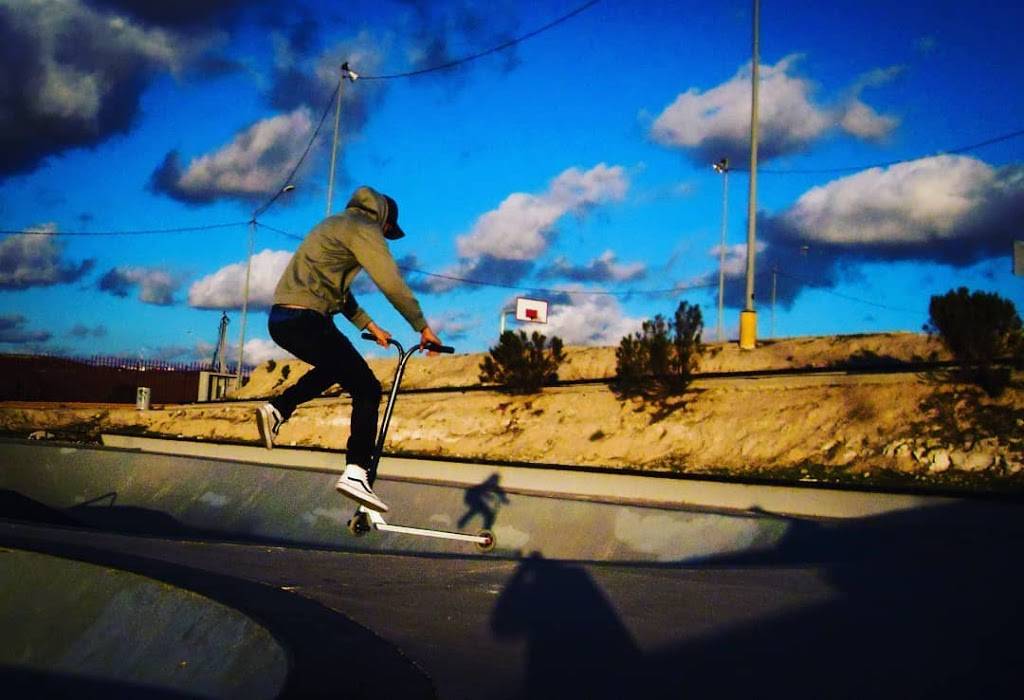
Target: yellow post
{"x":748,"y":330}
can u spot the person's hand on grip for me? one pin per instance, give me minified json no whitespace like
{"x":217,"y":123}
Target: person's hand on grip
{"x":428,"y":336}
{"x":381,"y":335}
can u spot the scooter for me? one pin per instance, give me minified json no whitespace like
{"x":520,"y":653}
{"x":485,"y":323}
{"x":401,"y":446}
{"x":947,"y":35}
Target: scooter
{"x":364,"y":520}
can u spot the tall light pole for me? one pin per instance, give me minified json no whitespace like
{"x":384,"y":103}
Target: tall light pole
{"x":748,"y":317}
{"x":346,"y":74}
{"x":245,"y":304}
{"x":722,"y":167}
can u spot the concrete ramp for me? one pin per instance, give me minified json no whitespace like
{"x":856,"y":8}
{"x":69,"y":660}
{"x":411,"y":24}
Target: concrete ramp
{"x":176,"y":496}
{"x":129,"y":490}
{"x":72,"y":627}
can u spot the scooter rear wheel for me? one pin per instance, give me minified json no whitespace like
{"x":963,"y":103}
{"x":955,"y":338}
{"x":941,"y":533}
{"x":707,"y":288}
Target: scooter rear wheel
{"x":359,"y":524}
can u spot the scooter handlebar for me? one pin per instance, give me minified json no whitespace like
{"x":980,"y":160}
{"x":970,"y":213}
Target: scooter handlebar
{"x":432,"y":347}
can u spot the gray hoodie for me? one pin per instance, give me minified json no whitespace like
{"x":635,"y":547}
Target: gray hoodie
{"x":320,"y":273}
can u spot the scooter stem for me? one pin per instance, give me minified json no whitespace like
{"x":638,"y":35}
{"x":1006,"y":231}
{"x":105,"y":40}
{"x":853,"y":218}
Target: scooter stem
{"x":403,"y":358}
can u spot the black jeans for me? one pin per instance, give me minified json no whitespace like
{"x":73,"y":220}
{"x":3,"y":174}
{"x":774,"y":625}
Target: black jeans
{"x":313,"y":338}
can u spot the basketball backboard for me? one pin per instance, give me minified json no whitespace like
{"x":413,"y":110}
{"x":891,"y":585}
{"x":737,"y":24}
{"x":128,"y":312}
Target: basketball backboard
{"x":531,"y":310}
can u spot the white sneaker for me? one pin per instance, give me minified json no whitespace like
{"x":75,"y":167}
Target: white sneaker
{"x":354,"y":484}
{"x":268,"y":420}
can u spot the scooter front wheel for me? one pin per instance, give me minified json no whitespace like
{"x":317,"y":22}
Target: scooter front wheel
{"x":489,"y":543}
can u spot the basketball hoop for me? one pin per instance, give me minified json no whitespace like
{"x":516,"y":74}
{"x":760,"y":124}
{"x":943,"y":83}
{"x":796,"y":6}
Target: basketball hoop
{"x":531,"y":310}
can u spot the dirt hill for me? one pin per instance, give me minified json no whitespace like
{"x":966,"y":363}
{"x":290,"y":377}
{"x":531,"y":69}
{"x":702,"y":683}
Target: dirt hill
{"x":916,"y":426}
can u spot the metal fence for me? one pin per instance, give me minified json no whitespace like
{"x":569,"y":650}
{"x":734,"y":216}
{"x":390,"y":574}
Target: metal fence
{"x":98,"y":379}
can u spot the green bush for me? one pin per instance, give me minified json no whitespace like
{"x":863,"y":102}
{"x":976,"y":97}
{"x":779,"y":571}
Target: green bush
{"x":522,"y":364}
{"x":978,"y":329}
{"x":660,"y":358}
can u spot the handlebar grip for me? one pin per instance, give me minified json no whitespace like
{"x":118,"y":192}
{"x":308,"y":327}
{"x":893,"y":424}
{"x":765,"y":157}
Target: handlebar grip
{"x":447,"y":349}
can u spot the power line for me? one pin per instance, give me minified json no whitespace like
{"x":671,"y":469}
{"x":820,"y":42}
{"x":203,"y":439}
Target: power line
{"x":887,"y":164}
{"x":260,"y":224}
{"x":500,"y":47}
{"x":521,"y":287}
{"x":799,"y":278}
{"x":135,"y":232}
{"x":624,"y":293}
{"x":543,"y":290}
{"x":443,"y":67}
{"x":288,"y":180}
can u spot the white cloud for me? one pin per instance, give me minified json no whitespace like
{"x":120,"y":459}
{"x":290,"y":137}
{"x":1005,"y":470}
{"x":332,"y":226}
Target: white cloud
{"x":156,"y":286}
{"x":716,"y":122}
{"x":257,"y":351}
{"x":35,"y":260}
{"x":877,"y":77}
{"x":299,"y":80}
{"x":589,"y":319}
{"x":74,"y":75}
{"x":604,"y":268}
{"x":225,"y":288}
{"x":452,"y":325}
{"x":522,"y":226}
{"x":865,"y":123}
{"x":735,"y":259}
{"x":861,"y":120}
{"x":249,"y":168}
{"x":923,"y":200}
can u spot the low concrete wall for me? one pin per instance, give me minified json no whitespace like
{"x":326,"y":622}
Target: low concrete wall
{"x":67,"y":624}
{"x":561,"y":515}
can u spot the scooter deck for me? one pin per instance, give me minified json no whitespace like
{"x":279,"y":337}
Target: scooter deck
{"x":365,"y":519}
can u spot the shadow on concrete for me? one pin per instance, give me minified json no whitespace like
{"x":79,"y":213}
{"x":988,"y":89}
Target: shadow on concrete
{"x":485,"y":500}
{"x":576,"y":645}
{"x":928,"y":603}
{"x":321,"y":643}
{"x":25,"y":683}
{"x":100,"y":513}
{"x":329,"y":655}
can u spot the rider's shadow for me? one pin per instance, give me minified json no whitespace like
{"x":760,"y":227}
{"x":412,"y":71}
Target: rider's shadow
{"x":484,"y":500}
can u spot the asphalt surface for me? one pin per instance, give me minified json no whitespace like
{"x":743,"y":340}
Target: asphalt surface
{"x":926,"y":603}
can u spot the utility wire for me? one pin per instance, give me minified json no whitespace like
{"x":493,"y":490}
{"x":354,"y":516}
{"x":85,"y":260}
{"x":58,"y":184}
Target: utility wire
{"x":625,"y":293}
{"x":799,"y":278}
{"x":521,"y":287}
{"x":136,"y":232}
{"x":444,"y":66}
{"x":260,"y":224}
{"x":208,"y":227}
{"x":500,"y":47}
{"x":288,"y":180}
{"x":588,"y":292}
{"x":886,"y":164}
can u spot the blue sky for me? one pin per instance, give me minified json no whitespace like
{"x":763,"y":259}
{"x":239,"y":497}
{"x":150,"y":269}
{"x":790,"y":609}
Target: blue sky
{"x":574,"y":166}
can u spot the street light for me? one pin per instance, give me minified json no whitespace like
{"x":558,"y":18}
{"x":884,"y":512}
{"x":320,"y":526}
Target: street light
{"x":748,"y":317}
{"x":722,"y":167}
{"x":346,"y":74}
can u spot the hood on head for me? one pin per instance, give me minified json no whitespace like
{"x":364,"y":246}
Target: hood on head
{"x":380,"y":206}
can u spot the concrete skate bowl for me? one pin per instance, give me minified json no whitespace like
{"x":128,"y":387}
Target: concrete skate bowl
{"x":87,"y":621}
{"x":73,"y":627}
